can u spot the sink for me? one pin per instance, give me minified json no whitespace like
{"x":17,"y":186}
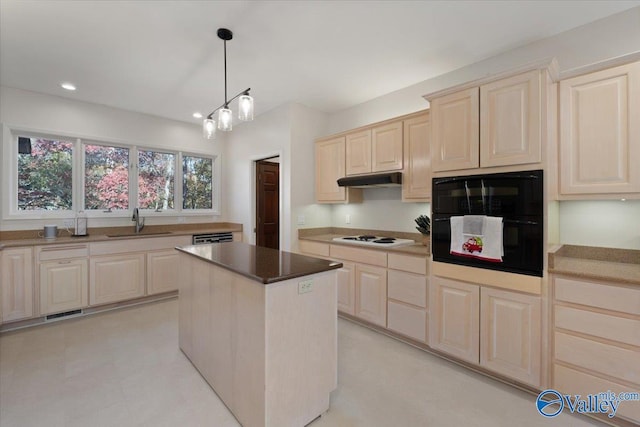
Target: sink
{"x":138,"y":234}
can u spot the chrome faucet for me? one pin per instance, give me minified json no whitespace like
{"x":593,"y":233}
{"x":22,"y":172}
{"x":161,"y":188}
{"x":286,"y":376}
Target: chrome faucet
{"x":136,"y":218}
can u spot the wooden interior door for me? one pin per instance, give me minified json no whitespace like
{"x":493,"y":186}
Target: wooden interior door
{"x":268,"y":204}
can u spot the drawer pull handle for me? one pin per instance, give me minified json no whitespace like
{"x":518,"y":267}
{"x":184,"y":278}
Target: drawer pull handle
{"x":64,"y":262}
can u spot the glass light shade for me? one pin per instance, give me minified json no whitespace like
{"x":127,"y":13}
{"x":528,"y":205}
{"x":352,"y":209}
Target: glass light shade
{"x":208,"y":128}
{"x":245,"y":108}
{"x":225,"y":119}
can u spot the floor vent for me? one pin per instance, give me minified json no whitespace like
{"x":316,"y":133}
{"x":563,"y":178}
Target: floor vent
{"x":61,"y":315}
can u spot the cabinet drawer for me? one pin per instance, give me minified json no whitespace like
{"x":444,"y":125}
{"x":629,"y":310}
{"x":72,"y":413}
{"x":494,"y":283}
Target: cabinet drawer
{"x":600,"y":325}
{"x":364,"y":256}
{"x":409,"y":321}
{"x":138,"y":244}
{"x":607,"y":359}
{"x":407,"y":287}
{"x":412,"y":264}
{"x":314,"y":248}
{"x":602,"y":295}
{"x":570,"y":381}
{"x":48,"y":253}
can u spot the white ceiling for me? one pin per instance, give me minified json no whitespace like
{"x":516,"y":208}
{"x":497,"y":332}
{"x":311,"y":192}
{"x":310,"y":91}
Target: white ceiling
{"x":164,"y":58}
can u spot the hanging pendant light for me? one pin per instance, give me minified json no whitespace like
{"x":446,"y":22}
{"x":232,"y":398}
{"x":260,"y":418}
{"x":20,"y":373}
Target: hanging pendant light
{"x":225,"y":115}
{"x":208,"y":128}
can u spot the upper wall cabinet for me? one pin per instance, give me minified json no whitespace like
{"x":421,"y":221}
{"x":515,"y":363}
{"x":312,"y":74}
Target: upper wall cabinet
{"x":416,"y":179}
{"x":510,"y":121}
{"x":600,"y":132}
{"x":454,"y":131}
{"x":378,"y":149}
{"x":330,"y":166}
{"x":495,"y":124}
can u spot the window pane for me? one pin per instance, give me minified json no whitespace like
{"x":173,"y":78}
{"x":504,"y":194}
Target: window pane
{"x":44,"y":174}
{"x":106,"y":177}
{"x":156,"y":173}
{"x":197,"y":179}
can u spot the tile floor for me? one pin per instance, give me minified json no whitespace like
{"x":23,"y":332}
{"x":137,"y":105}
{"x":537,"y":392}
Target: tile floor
{"x":124,"y":368}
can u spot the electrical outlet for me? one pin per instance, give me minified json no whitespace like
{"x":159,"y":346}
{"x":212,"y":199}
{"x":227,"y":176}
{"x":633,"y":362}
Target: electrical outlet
{"x":305,"y":286}
{"x":347,"y":219}
{"x":300,"y":219}
{"x":69,"y":223}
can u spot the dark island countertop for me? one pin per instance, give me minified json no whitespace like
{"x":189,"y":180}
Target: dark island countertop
{"x":264,"y":265}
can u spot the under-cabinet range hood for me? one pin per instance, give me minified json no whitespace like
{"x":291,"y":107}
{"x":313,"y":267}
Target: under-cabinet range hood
{"x":388,"y":179}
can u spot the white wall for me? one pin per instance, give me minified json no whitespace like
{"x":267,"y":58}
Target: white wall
{"x":308,"y":124}
{"x":33,"y":111}
{"x":611,"y":37}
{"x":611,"y":223}
{"x":287,"y":131}
{"x":580,"y":222}
{"x":381,"y":209}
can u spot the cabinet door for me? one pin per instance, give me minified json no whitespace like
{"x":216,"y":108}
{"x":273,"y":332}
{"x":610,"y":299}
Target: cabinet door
{"x":510,"y":334}
{"x":116,"y":278}
{"x":347,"y":288}
{"x":162,"y":271}
{"x":510,"y":126}
{"x":63,"y":286}
{"x":386,"y":147}
{"x":358,"y":152}
{"x":17,"y":284}
{"x":416,"y":180}
{"x":455,"y":133}
{"x":600,"y":132}
{"x":371,"y":294}
{"x":330,"y":165}
{"x":454,"y":324}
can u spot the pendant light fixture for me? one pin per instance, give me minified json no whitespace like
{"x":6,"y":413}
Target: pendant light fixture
{"x":225,"y":115}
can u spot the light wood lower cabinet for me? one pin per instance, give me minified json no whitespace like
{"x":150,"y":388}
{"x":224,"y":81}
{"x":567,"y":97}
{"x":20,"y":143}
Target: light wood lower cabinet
{"x":510,"y":342}
{"x":16,"y":282}
{"x":596,"y":344}
{"x":63,"y":285}
{"x":346,"y":288}
{"x":407,"y":300}
{"x":455,"y":314}
{"x":116,"y":278}
{"x":162,"y":271}
{"x":371,"y":294}
{"x":499,"y":330}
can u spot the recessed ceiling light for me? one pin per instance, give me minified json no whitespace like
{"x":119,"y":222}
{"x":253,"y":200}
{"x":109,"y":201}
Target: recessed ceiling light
{"x":68,"y":86}
{"x":197,"y":115}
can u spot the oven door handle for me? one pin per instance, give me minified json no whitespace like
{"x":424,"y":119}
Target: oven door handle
{"x":516,"y":221}
{"x":508,"y":221}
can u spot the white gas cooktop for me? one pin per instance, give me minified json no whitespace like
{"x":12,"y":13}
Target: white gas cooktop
{"x":377,"y":241}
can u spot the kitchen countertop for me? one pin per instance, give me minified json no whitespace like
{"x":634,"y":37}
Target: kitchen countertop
{"x":26,"y":238}
{"x":326,"y":235}
{"x":264,"y":265}
{"x":596,"y":263}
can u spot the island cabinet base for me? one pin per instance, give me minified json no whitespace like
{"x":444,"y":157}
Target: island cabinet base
{"x":268,"y":350}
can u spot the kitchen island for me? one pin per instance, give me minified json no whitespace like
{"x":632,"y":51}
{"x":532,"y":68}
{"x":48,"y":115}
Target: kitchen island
{"x":260,"y":325}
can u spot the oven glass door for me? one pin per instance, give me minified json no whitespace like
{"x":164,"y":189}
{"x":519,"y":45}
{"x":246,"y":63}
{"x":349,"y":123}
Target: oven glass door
{"x":522,"y":241}
{"x":508,"y":194}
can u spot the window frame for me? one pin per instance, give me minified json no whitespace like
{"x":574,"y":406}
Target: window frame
{"x":9,"y":178}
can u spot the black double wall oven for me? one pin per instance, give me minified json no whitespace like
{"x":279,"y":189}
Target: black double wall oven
{"x":517,"y":197}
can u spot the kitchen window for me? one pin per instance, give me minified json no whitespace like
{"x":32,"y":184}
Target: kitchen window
{"x":45,"y":170}
{"x":57,"y":176}
{"x":106,"y":177}
{"x":156,"y":176}
{"x":197,"y":182}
